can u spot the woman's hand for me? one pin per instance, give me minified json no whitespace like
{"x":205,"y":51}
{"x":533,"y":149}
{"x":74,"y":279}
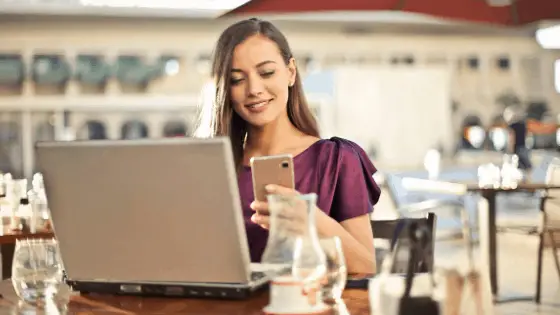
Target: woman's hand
{"x":291,"y":215}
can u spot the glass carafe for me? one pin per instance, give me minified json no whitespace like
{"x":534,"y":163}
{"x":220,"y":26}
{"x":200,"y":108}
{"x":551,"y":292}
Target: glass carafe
{"x":294,"y":255}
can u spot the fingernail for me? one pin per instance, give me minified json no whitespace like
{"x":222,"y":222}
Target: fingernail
{"x":269,"y":188}
{"x":252,"y":205}
{"x":254,"y":218}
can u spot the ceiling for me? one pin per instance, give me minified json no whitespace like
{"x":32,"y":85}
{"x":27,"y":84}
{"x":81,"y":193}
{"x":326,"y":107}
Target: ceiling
{"x":348,"y":22}
{"x":162,"y":8}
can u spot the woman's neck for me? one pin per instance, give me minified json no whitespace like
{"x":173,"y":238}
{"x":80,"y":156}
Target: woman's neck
{"x":271,"y":139}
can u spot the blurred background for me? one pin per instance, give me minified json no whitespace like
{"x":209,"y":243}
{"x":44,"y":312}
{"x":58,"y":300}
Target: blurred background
{"x":399,"y":83}
{"x":414,"y":82}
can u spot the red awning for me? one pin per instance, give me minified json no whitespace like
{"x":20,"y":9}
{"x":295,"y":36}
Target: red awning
{"x":520,"y":12}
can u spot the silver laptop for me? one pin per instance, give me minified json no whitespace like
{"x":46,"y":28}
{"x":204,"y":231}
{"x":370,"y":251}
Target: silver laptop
{"x":150,"y":216}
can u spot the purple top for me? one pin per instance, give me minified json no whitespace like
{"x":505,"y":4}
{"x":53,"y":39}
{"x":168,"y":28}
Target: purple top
{"x":337,"y":170}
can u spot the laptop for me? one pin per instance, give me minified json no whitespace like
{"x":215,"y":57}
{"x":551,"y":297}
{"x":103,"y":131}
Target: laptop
{"x":149,"y":217}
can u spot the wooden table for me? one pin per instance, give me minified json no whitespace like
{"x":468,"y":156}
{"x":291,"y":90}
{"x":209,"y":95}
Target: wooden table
{"x":356,"y":302}
{"x":7,"y":245}
{"x":490,"y":195}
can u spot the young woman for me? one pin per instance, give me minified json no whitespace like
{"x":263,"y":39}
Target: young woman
{"x":260,"y":105}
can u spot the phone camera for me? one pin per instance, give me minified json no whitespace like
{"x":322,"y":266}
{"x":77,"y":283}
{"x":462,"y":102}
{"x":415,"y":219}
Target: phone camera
{"x":285,"y":164}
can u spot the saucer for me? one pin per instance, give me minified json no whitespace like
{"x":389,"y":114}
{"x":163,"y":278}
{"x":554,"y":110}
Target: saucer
{"x":315,"y":310}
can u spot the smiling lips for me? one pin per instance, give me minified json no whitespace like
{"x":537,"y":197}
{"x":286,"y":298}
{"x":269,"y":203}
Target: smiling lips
{"x":257,"y":107}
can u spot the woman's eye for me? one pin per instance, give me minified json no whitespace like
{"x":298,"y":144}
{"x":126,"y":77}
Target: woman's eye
{"x":267,"y":74}
{"x":236,"y":81}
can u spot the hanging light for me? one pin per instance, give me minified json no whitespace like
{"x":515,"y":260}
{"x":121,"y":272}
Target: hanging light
{"x":549,"y":37}
{"x":476,"y":136}
{"x":499,"y":138}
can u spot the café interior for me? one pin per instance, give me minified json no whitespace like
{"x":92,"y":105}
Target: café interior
{"x":421,"y":86}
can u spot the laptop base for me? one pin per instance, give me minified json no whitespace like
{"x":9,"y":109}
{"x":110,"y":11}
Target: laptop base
{"x":226,"y":292}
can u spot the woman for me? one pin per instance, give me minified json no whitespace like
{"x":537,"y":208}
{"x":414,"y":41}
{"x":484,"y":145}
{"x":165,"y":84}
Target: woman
{"x":260,"y":105}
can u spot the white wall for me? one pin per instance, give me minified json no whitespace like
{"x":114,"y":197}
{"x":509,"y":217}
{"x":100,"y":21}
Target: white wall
{"x":379,"y":106}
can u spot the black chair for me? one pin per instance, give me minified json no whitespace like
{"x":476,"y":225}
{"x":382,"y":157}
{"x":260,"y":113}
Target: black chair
{"x":386,"y":229}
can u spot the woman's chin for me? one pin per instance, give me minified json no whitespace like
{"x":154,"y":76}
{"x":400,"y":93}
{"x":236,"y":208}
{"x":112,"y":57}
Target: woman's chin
{"x":259,"y":123}
{"x":261,"y":120}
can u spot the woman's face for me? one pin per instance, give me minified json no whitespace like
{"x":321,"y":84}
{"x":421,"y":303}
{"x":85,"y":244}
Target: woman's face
{"x":259,"y":81}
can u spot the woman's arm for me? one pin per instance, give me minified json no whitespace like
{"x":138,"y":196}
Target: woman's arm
{"x":355,"y":233}
{"x":357,"y":240}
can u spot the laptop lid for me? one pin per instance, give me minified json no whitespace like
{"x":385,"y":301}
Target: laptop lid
{"x":165,"y":210}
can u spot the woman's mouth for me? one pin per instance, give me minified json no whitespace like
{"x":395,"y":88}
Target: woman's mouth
{"x":257,"y":107}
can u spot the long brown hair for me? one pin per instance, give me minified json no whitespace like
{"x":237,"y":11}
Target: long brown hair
{"x":217,"y":117}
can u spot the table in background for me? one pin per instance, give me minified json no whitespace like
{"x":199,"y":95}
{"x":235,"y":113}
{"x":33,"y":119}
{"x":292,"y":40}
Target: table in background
{"x":490,"y":195}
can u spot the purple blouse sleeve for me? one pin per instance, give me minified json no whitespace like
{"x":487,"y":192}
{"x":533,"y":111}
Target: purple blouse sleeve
{"x":355,"y":191}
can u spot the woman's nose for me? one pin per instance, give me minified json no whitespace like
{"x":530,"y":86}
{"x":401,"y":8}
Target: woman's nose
{"x":255,"y":86}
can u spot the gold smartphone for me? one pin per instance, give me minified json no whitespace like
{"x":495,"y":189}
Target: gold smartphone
{"x":274,"y":169}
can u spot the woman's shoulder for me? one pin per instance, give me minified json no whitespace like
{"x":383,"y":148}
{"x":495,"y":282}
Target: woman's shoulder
{"x":343,"y":148}
{"x":339,"y":152}
{"x":343,"y":145}
{"x":346,"y":178}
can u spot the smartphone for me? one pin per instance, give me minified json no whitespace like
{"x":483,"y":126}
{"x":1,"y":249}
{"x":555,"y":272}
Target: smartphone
{"x":274,"y":169}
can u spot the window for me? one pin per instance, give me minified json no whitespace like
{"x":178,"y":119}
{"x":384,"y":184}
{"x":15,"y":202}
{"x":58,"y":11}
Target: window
{"x":50,"y":69}
{"x":473,"y":62}
{"x":92,"y":69}
{"x":537,"y":110}
{"x":175,"y":129}
{"x":557,"y":75}
{"x":11,"y":69}
{"x":134,"y":129}
{"x":403,"y":59}
{"x":92,"y":130}
{"x":503,"y":63}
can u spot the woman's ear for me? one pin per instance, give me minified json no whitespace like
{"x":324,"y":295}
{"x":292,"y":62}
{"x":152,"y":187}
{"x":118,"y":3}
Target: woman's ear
{"x":292,"y":69}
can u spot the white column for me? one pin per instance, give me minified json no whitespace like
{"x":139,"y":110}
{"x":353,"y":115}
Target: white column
{"x":28,"y":85}
{"x":58,"y":124}
{"x":112,"y":87}
{"x":72,"y":87}
{"x":487,"y":92}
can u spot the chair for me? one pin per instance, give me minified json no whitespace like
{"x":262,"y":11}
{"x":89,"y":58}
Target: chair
{"x":409,"y":203}
{"x":519,"y":212}
{"x":385,"y":229}
{"x":550,"y":208}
